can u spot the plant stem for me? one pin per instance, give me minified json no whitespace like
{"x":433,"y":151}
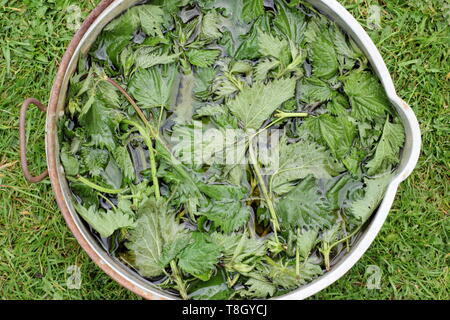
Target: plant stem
{"x":264,"y":191}
{"x":148,"y":141}
{"x":96,"y":186}
{"x":178,"y":280}
{"x":130,"y":100}
{"x":284,"y":115}
{"x":107,"y":200}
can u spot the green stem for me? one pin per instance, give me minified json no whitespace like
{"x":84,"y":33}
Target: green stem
{"x":96,"y":186}
{"x":107,"y":200}
{"x":326,"y":248}
{"x":284,"y":115}
{"x":178,"y":280}
{"x":148,"y":141}
{"x":264,"y":191}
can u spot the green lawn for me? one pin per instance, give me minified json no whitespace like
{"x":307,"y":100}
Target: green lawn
{"x":412,"y":249}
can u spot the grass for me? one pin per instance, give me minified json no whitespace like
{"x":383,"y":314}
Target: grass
{"x":412,"y":249}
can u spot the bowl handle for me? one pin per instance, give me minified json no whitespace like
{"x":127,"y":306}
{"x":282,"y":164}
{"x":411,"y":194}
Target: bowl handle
{"x":23,"y":143}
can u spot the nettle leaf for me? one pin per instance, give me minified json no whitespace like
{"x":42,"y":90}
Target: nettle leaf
{"x":255,"y":104}
{"x":123,"y":159}
{"x":313,"y":90}
{"x":305,"y":241}
{"x":342,"y":46}
{"x":270,"y":45}
{"x":94,"y":160}
{"x":252,"y":9}
{"x":323,"y":57}
{"x":363,"y":208}
{"x":338,"y":133}
{"x":230,"y":216}
{"x":263,"y":68}
{"x":144,"y":58}
{"x":154,"y":87}
{"x":105,"y":223}
{"x":339,"y":105}
{"x":156,"y":232}
{"x":100,"y":123}
{"x":290,"y":22}
{"x":306,"y":206}
{"x":249,"y":47}
{"x":200,"y":258}
{"x":240,"y":252}
{"x":297,"y":161}
{"x":151,"y":19}
{"x":69,"y":161}
{"x":258,"y":288}
{"x":388,"y":149}
{"x":367,"y":96}
{"x":211,"y":25}
{"x":203,"y":82}
{"x":202,"y":58}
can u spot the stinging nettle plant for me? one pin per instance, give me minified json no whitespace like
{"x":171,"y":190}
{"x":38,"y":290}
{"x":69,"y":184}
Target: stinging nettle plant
{"x":211,"y":229}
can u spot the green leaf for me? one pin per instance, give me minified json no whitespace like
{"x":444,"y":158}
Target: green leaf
{"x":305,"y":241}
{"x":338,"y":105}
{"x":305,"y":206}
{"x":367,"y":96}
{"x":151,"y":19}
{"x":249,"y":47}
{"x":240,"y":252}
{"x":202,"y":58}
{"x":264,"y":67}
{"x":123,"y":159}
{"x":215,"y":288}
{"x":255,"y":104}
{"x":338,"y":133}
{"x":100,"y":124}
{"x":211,"y":25}
{"x":388,"y":149}
{"x":105,"y":223}
{"x":156,"y":231}
{"x":290,"y":22}
{"x":69,"y":161}
{"x":313,"y":90}
{"x":342,"y":46}
{"x":297,"y":161}
{"x":94,"y":160}
{"x":154,"y":87}
{"x":203,"y":81}
{"x":258,"y":288}
{"x":323,"y":56}
{"x":363,"y":208}
{"x":252,"y":10}
{"x":145,"y":59}
{"x":270,"y":45}
{"x":230,"y":216}
{"x":200,"y":258}
{"x":112,"y":174}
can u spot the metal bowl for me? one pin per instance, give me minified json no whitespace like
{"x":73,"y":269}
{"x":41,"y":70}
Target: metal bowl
{"x":80,"y":44}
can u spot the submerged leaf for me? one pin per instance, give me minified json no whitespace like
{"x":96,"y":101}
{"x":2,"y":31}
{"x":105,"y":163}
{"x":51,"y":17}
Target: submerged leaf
{"x":255,"y":104}
{"x":156,"y":230}
{"x":105,"y":223}
{"x":154,"y":87}
{"x":367,"y":96}
{"x":388,"y":149}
